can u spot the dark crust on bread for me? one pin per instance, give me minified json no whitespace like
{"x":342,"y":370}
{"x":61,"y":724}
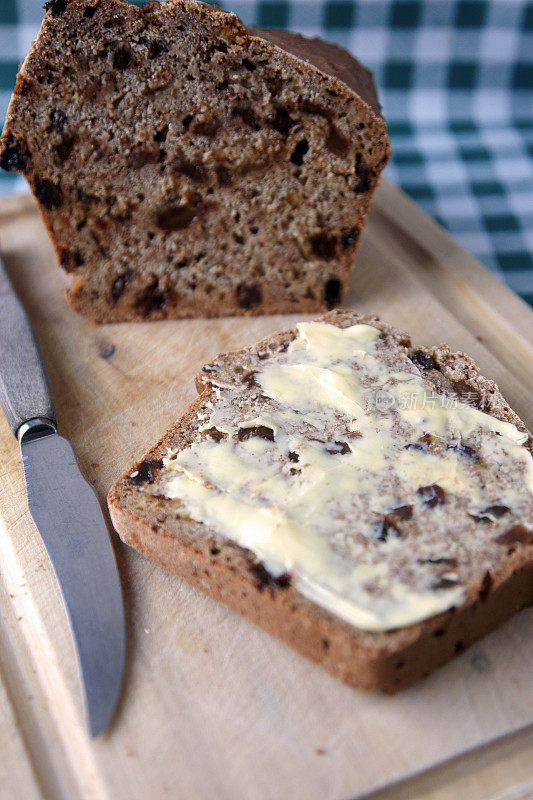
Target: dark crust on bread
{"x":264,"y":215}
{"x":228,"y":573}
{"x":328,"y":58}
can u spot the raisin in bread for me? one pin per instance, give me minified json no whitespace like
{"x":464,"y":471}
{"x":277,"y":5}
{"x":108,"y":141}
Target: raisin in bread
{"x":187,"y":166}
{"x":366,"y":500}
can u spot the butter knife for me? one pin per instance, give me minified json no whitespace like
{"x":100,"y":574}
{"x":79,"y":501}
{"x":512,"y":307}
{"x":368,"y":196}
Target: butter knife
{"x":66,"y":512}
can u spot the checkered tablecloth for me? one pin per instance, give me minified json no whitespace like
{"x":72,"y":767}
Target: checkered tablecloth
{"x":456,"y":83}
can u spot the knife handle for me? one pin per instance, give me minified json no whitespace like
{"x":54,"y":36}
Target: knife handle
{"x":24,"y":390}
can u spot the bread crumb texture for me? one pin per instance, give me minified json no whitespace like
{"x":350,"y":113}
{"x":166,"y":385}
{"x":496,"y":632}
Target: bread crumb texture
{"x":187,"y":166}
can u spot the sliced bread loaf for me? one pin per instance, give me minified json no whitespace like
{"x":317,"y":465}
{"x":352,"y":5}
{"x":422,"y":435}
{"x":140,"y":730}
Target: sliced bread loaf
{"x":185,"y":165}
{"x":368,"y":501}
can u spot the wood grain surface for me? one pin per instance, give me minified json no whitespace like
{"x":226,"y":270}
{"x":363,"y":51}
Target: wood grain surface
{"x":213,"y":707}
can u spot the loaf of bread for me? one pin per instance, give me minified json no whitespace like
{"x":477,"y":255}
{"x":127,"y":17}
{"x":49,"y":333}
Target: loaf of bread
{"x":368,"y":501}
{"x":188,"y":166}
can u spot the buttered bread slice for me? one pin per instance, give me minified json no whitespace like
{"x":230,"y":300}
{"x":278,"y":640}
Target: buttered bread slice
{"x":365,"y":500}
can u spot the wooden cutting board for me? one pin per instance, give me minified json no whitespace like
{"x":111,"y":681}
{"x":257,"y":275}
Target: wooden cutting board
{"x":213,"y":707}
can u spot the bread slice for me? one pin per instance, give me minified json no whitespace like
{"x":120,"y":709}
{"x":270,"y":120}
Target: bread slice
{"x":448,"y":516}
{"x":187,"y":166}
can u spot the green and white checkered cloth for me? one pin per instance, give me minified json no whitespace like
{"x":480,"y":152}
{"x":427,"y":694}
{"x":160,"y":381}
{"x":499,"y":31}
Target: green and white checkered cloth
{"x":456,"y":83}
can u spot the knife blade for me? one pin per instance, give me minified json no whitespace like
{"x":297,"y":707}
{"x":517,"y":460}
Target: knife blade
{"x":66,"y":513}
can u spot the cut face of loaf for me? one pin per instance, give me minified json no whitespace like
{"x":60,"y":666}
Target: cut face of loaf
{"x":368,"y":501}
{"x":187,"y":166}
